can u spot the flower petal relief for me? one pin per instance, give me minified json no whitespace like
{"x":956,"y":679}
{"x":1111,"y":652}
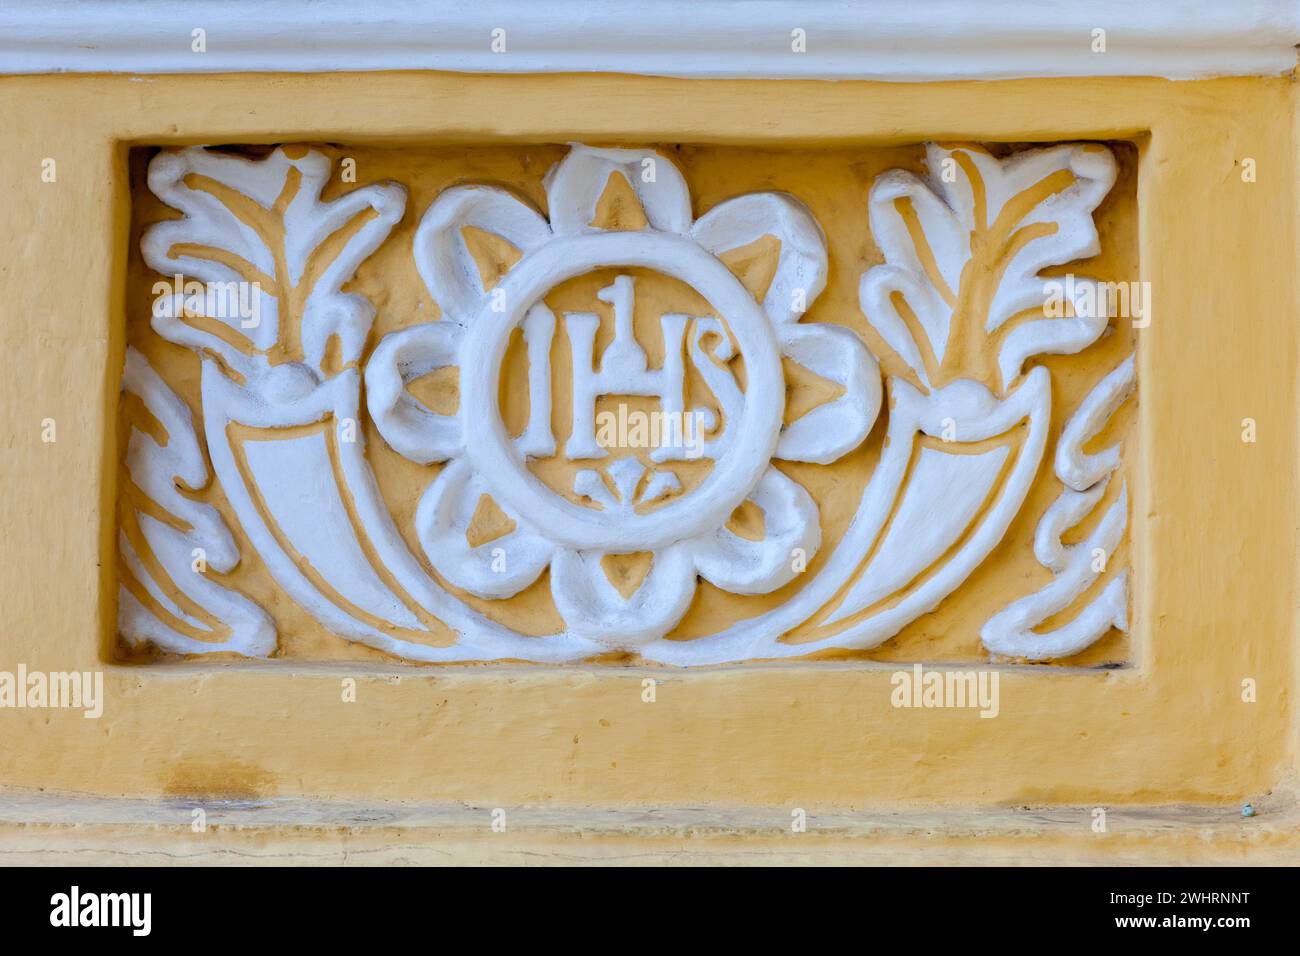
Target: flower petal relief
{"x":626,"y":527}
{"x":619,"y":414}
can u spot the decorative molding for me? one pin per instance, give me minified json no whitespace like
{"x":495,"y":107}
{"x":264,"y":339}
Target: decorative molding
{"x":79,"y":830}
{"x":967,"y":431}
{"x":892,"y":40}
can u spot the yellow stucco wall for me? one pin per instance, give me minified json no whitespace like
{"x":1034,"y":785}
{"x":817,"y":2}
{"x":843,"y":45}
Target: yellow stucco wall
{"x":1213,"y":520}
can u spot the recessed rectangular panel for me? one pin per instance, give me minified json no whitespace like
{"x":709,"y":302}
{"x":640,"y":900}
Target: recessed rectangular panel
{"x":670,"y":404}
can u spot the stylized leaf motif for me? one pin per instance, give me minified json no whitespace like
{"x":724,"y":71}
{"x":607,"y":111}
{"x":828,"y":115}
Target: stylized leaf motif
{"x":169,"y":541}
{"x":1013,"y":631}
{"x":261,"y":224}
{"x":960,"y":298}
{"x":964,"y":249}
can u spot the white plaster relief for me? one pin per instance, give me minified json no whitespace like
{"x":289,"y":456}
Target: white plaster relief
{"x":278,"y":395}
{"x":309,"y":504}
{"x":307,"y":223}
{"x":1011,"y":632}
{"x":686,"y":534}
{"x":951,"y":206}
{"x":963,"y":195}
{"x":198,"y":540}
{"x":760,"y":637}
{"x":1076,"y":468}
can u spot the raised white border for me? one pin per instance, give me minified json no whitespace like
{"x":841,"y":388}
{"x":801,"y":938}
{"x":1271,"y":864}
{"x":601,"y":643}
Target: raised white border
{"x":903,"y":40}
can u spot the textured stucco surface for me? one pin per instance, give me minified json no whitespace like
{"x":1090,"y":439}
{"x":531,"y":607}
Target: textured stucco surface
{"x":1214,"y":519}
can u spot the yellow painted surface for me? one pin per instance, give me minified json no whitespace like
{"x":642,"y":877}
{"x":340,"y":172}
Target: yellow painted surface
{"x":291,"y":832}
{"x":1213,"y":519}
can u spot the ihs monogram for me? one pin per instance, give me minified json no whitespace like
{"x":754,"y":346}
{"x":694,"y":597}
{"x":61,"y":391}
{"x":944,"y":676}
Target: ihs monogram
{"x":963,"y":418}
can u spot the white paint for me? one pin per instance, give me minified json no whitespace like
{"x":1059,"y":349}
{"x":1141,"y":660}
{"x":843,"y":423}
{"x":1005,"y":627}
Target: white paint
{"x":915,"y":537}
{"x":1011,"y":632}
{"x":1074,"y":466}
{"x":288,"y":395}
{"x":593,"y":608}
{"x":417,"y":432}
{"x":886,"y":39}
{"x":443,"y":519}
{"x":742,"y":566}
{"x":297,"y":485}
{"x":308,"y":222}
{"x":157,"y":470}
{"x":686,"y":534}
{"x":754,"y":431}
{"x":982,"y":417}
{"x":832,"y":430}
{"x":947,"y":213}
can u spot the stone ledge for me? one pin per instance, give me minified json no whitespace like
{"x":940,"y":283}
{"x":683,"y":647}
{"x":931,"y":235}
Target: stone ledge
{"x":45,"y":829}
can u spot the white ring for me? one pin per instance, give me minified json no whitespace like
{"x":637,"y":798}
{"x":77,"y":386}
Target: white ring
{"x":733,"y":477}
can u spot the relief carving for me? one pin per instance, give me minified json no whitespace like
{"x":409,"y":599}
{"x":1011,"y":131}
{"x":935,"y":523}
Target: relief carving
{"x":638,"y":413}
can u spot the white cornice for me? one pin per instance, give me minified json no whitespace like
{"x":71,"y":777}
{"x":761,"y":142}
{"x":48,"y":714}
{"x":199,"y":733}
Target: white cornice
{"x":886,"y":39}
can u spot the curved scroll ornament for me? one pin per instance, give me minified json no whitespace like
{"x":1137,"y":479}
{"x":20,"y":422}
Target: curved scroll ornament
{"x":622,"y":540}
{"x":1078,"y":567}
{"x":169,"y":542}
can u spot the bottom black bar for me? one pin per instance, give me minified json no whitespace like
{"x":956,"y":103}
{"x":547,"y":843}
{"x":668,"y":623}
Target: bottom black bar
{"x":212,"y":905}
